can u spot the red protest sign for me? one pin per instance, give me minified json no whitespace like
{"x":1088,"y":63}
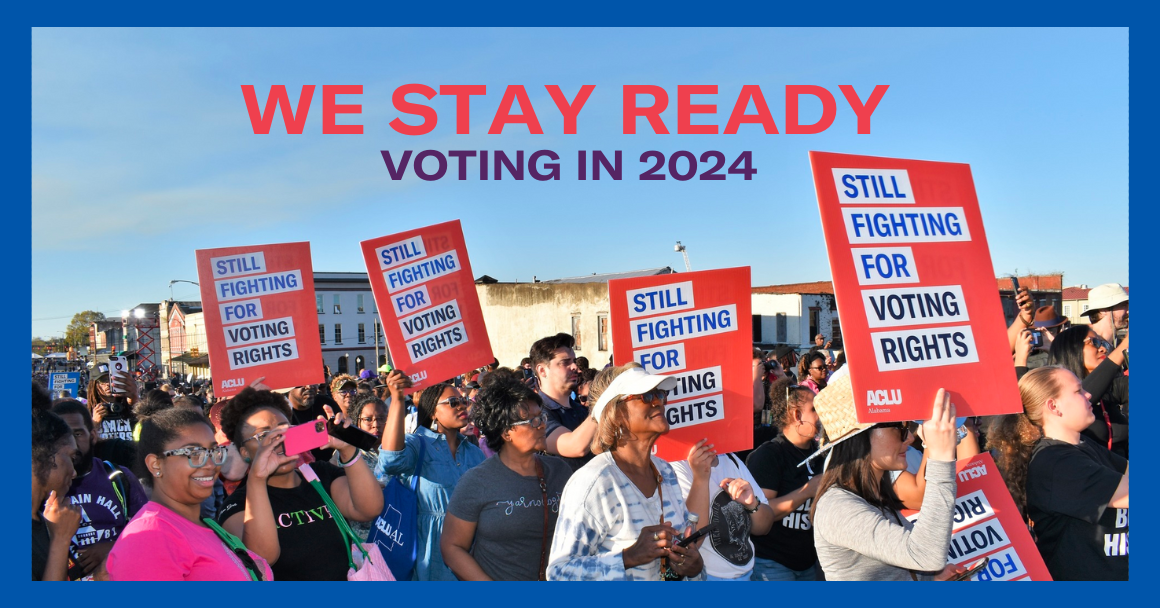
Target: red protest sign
{"x":426,"y":295}
{"x":914,"y":287}
{"x":696,"y":327}
{"x":987,"y":524}
{"x":260,"y":316}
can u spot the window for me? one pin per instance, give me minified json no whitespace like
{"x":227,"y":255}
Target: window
{"x":359,"y":363}
{"x":318,"y":301}
{"x":757,"y":328}
{"x":362,"y":333}
{"x":815,"y":323}
{"x":576,"y":330}
{"x":338,"y":333}
{"x":780,"y":328}
{"x":342,"y":366}
{"x":1085,"y":307}
{"x":321,"y":333}
{"x":360,"y":303}
{"x":836,"y":332}
{"x":1067,"y":310}
{"x":378,"y":333}
{"x":382,"y":360}
{"x":337,"y":306}
{"x":602,"y":332}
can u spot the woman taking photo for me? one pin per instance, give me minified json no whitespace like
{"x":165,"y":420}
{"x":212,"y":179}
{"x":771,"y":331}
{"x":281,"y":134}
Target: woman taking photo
{"x":1085,"y":354}
{"x":606,"y":530}
{"x":447,"y":455}
{"x":276,"y":512}
{"x":1075,"y":491}
{"x":859,"y":533}
{"x":502,"y":515}
{"x":54,"y":518}
{"x":167,"y":540}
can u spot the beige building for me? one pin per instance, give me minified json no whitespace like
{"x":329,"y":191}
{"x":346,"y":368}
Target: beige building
{"x":518,"y":314}
{"x":793,"y":314}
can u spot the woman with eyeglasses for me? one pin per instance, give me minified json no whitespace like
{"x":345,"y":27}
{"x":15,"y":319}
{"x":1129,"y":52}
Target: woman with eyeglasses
{"x":277,"y":512}
{"x":620,"y":513}
{"x":1074,"y":491}
{"x":1098,"y":365}
{"x":447,"y":455}
{"x":503,"y":512}
{"x":813,"y":371}
{"x":859,"y":531}
{"x":168,"y":540}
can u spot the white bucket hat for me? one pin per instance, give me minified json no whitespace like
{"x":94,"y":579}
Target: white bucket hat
{"x":1103,"y":297}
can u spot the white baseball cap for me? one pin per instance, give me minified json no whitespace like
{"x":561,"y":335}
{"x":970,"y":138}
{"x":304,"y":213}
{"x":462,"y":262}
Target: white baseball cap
{"x":632,"y":381}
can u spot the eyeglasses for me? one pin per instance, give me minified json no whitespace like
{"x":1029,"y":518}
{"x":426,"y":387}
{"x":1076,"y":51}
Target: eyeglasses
{"x":260,"y":437}
{"x":1098,"y":343}
{"x":348,"y":391}
{"x":538,"y":422}
{"x":903,"y":429}
{"x":198,"y":456}
{"x":582,"y":399}
{"x":372,"y":419}
{"x":650,"y":398}
{"x":455,"y":402}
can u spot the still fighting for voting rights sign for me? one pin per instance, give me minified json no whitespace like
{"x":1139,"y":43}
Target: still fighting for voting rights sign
{"x":425,"y":293}
{"x":695,"y":327}
{"x":67,"y":381}
{"x":987,"y":523}
{"x":915,"y":287}
{"x":260,"y":316}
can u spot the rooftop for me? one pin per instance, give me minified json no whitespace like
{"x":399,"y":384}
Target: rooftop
{"x":817,"y":287}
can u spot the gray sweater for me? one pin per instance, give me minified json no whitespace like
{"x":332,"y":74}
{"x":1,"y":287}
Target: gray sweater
{"x":858,"y":542}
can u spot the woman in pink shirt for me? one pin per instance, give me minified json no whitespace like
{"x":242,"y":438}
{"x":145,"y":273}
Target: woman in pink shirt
{"x":167,"y":540}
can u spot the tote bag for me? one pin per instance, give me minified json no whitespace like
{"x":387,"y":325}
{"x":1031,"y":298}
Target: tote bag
{"x":366,"y":564}
{"x":395,"y":531}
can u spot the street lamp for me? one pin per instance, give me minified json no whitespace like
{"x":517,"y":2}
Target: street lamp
{"x":679,"y":248}
{"x":179,"y":281}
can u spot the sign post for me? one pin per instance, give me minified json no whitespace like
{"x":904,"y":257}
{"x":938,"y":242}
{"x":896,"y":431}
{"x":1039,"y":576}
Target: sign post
{"x":914,"y":286}
{"x":696,"y":327}
{"x":426,"y":296}
{"x":260,"y":316}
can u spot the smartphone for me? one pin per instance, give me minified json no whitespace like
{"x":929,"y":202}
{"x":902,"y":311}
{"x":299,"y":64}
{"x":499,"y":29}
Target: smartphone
{"x":306,"y":437}
{"x":1015,"y":284}
{"x":353,"y":435}
{"x":1037,"y":338}
{"x":696,"y":536}
{"x":526,"y":372}
{"x":118,"y":371}
{"x":972,"y":570}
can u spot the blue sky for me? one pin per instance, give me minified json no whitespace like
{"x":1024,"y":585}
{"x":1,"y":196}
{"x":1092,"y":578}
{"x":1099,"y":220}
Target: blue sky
{"x":142,"y":150}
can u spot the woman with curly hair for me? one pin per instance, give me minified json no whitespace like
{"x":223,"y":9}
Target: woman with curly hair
{"x":277,"y":513}
{"x":503,"y":512}
{"x":813,"y":371}
{"x":1073,"y":491}
{"x":54,"y":518}
{"x":437,"y":453}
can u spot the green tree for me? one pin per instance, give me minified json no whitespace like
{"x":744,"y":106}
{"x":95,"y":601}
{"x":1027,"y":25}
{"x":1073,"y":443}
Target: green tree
{"x":77,"y":332}
{"x":40,"y":346}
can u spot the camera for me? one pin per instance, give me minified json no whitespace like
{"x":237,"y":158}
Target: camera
{"x":1037,"y":338}
{"x":116,"y":407}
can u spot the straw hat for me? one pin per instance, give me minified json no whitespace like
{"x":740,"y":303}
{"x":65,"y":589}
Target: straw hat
{"x":835,"y":407}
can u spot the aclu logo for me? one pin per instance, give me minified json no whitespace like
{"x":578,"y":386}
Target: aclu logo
{"x":881,"y":397}
{"x":234,"y":383}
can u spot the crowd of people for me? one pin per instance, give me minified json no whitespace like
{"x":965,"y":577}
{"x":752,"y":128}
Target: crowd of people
{"x":545,"y":471}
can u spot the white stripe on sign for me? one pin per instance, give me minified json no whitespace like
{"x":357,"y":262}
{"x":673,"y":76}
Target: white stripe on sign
{"x":237,"y":312}
{"x":695,"y":411}
{"x":429,"y":320}
{"x":976,"y":541}
{"x":662,"y":298}
{"x":931,"y":347}
{"x":971,"y":508}
{"x":884,"y":265}
{"x":874,"y":225}
{"x":1003,"y":566}
{"x":260,"y":331}
{"x":683,"y":325}
{"x":258,"y":285}
{"x":416,"y":273}
{"x":395,"y":254}
{"x":274,"y":352}
{"x":695,"y":383}
{"x":903,"y":306}
{"x":409,"y":301}
{"x":873,"y":186}
{"x":438,"y":342}
{"x":662,"y":359}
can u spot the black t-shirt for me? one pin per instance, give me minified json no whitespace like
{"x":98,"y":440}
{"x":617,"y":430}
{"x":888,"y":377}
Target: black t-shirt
{"x":312,"y":547}
{"x":1079,"y":536}
{"x":119,"y":422}
{"x":40,"y":543}
{"x":774,"y":465}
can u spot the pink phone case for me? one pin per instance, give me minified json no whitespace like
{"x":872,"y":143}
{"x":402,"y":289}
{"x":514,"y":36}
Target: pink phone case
{"x":306,"y":437}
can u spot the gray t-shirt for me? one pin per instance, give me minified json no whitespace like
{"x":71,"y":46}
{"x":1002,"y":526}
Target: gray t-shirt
{"x":508,"y":510}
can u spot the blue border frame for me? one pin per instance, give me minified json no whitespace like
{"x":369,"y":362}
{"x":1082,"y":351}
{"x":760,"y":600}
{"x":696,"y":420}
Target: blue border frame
{"x":17,"y":41}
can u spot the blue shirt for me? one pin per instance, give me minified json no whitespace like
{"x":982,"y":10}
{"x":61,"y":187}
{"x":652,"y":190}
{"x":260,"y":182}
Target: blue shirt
{"x":437,"y":480}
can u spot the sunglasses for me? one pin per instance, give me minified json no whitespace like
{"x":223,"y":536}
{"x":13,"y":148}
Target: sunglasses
{"x":650,"y":398}
{"x":1098,"y":343}
{"x":582,"y":399}
{"x":348,"y":391}
{"x":903,"y":429}
{"x":198,"y":456}
{"x":455,"y":402}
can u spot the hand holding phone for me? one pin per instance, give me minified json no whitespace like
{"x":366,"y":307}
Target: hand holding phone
{"x":306,"y":437}
{"x":971,"y":570}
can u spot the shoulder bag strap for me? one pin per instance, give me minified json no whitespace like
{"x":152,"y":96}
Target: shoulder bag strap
{"x":348,"y":536}
{"x":418,"y":463}
{"x":117,"y":478}
{"x":235,"y":544}
{"x":544,"y":537}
